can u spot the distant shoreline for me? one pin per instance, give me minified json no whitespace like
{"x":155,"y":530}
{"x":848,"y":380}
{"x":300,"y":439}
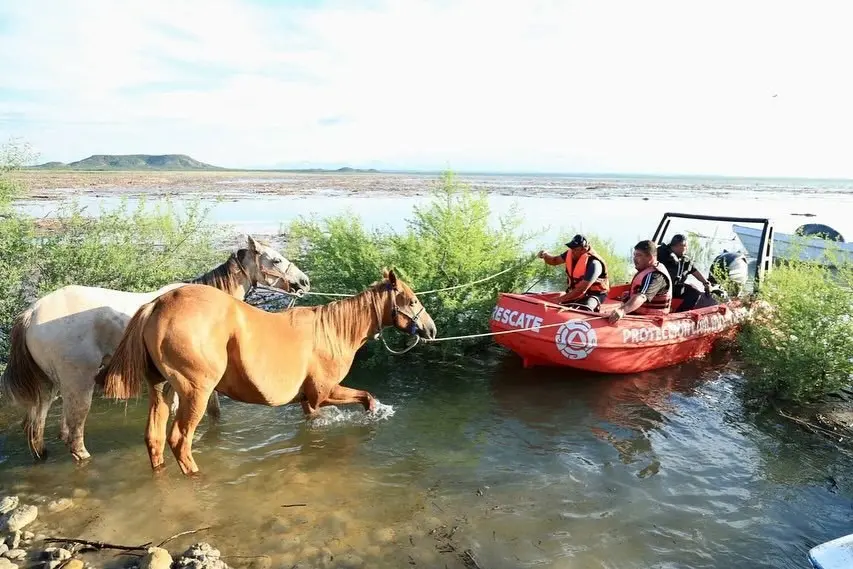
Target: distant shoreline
{"x":49,"y":184}
{"x":462,"y":173}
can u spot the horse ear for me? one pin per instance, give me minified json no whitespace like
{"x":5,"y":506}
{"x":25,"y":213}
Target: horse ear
{"x":392,"y":278}
{"x":253,"y":245}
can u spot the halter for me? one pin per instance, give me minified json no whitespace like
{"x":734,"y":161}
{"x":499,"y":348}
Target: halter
{"x":253,"y":281}
{"x":414,"y":319}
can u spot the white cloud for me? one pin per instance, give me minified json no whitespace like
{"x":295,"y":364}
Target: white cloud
{"x":560,"y":85}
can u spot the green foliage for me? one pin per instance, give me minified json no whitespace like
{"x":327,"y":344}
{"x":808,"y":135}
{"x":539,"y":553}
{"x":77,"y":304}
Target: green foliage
{"x":125,"y":250}
{"x":14,"y":155}
{"x":803,"y":349}
{"x":447,"y":242}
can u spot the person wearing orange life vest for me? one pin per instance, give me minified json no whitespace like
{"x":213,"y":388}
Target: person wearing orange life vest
{"x":651,"y":288}
{"x":587,"y":282}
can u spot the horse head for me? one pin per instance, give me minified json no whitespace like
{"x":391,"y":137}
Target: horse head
{"x":266,"y":266}
{"x":407,"y":314}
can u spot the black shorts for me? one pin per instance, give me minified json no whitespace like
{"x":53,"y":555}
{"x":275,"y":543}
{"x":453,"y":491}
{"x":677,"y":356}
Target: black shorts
{"x":591,"y":301}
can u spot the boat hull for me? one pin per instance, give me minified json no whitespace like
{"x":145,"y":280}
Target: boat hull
{"x":806,"y":248}
{"x":564,"y":337}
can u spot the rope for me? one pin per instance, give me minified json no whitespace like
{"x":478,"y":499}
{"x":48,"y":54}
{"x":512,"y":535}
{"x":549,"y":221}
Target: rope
{"x":433,"y":291}
{"x":381,"y":336}
{"x":518,"y":266}
{"x":485,"y":334}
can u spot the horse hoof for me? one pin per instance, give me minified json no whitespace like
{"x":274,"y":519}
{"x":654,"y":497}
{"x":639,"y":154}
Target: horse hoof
{"x":81,"y":456}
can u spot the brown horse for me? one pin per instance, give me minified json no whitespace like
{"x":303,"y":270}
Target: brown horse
{"x":198,"y":339}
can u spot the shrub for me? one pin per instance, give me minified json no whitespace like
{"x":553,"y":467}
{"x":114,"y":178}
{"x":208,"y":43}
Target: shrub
{"x":805,"y":348}
{"x":125,"y":250}
{"x":447,"y":242}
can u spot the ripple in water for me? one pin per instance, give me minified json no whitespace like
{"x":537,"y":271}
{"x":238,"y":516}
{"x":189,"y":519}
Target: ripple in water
{"x":333,"y":416}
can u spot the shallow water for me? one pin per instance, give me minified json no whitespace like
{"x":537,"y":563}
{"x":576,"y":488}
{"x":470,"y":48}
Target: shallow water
{"x":527,"y":468}
{"x":624,"y":211}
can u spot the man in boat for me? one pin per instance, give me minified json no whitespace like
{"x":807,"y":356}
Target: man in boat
{"x":679,"y":265}
{"x":587,"y":282}
{"x":650,"y":292}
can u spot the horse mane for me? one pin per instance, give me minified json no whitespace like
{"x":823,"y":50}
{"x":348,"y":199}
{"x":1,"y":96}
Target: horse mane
{"x":226,"y":276}
{"x":340,"y":324}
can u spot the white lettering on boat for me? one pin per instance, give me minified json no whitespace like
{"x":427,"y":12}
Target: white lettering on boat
{"x":516,"y":319}
{"x":685,"y":328}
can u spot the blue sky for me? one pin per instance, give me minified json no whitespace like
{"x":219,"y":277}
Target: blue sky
{"x":558,"y":86}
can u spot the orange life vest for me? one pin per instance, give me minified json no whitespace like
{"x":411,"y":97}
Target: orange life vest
{"x":661,"y":303}
{"x":575,"y":271}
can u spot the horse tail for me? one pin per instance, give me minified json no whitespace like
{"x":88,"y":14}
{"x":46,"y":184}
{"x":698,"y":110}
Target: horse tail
{"x":26,"y":384}
{"x":129,"y":364}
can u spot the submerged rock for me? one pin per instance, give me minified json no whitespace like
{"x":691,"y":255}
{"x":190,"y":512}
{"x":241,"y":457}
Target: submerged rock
{"x":59,"y":505}
{"x":21,"y":517}
{"x":157,"y":558}
{"x":8,"y":503}
{"x":74,"y":564}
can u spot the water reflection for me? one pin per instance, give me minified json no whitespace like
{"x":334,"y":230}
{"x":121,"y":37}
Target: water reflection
{"x":540,"y":467}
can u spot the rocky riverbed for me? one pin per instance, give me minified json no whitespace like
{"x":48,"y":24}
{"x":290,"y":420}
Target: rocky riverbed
{"x":21,"y":546}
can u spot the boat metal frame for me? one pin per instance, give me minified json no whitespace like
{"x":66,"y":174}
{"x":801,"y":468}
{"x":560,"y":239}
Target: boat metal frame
{"x":764,"y":263}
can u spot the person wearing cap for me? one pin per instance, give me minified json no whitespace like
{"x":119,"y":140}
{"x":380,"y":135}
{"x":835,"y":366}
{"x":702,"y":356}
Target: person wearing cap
{"x":679,"y":265}
{"x":586,"y":275}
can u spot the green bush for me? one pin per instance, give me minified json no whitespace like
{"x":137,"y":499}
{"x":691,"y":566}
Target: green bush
{"x":803,"y":349}
{"x":446,"y":242}
{"x":125,"y":250}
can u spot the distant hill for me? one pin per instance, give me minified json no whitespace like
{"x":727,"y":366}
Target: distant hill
{"x":132,"y":162}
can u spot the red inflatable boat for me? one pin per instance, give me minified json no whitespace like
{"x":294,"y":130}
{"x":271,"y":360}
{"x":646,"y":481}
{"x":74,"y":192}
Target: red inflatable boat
{"x":560,"y":336}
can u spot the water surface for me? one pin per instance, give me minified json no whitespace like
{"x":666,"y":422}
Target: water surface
{"x":526,"y":468}
{"x":533,"y":468}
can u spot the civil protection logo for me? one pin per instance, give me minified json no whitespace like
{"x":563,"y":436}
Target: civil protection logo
{"x":576,"y":339}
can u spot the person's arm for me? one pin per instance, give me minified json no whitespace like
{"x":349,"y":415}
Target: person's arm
{"x":552,"y":259}
{"x":593,"y":270}
{"x":653,"y":284}
{"x":701,"y":278}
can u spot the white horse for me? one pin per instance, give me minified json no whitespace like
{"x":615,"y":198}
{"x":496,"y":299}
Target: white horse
{"x":61,"y":341}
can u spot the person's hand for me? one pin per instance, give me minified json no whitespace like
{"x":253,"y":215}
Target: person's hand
{"x":615,"y":316}
{"x":707,"y":288}
{"x":541,"y":254}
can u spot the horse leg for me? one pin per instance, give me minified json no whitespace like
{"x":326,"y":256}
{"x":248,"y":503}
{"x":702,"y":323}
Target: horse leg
{"x":314,"y":393}
{"x":214,"y":409}
{"x":190,"y":412}
{"x":76,"y":402}
{"x":341,"y":395}
{"x":158,"y":418}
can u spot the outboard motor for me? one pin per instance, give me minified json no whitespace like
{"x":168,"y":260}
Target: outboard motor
{"x":731,"y":270}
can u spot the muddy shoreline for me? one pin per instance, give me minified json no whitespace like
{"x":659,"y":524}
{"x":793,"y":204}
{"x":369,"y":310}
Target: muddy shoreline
{"x":51,"y":185}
